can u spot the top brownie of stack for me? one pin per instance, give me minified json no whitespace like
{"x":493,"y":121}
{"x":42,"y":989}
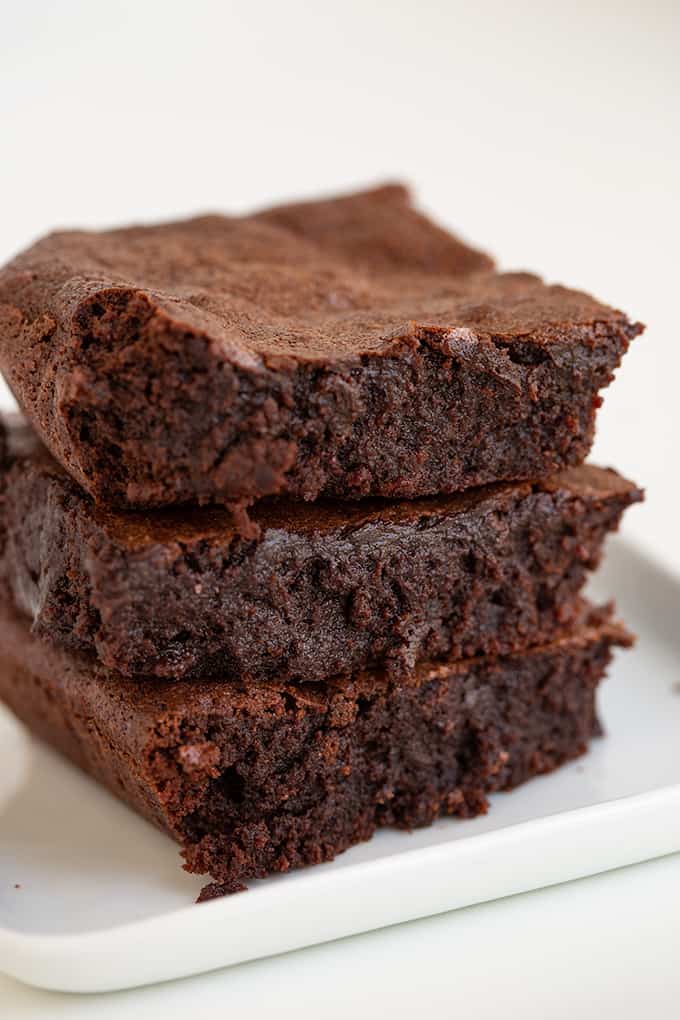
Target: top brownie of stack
{"x":337,"y":348}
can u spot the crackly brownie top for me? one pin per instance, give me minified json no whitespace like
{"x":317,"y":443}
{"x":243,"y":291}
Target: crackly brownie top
{"x":333,"y":278}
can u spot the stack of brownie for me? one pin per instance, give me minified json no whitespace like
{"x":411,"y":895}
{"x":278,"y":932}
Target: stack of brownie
{"x":294,"y":534}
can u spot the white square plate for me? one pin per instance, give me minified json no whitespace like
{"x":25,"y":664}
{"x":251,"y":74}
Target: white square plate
{"x":92,"y":898}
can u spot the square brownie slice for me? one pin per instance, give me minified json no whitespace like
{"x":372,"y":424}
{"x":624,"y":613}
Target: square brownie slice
{"x":345,"y":348}
{"x":259,"y":778}
{"x":316,"y":590}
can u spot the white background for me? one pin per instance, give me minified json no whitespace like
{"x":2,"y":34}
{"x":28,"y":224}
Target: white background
{"x":546,"y":133}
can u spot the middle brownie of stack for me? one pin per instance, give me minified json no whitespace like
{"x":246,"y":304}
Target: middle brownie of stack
{"x":271,"y":687}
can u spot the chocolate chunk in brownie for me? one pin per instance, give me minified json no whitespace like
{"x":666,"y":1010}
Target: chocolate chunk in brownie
{"x":259,"y":778}
{"x":339,"y":348}
{"x":324,"y":589}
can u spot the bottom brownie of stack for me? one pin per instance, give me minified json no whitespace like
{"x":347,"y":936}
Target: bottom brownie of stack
{"x":257,"y":778}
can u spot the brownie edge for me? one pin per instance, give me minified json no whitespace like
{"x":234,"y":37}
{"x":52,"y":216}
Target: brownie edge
{"x":256,"y":779}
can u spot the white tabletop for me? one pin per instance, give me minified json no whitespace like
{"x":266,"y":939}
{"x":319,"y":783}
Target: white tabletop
{"x":600,"y":947}
{"x":547,"y":134}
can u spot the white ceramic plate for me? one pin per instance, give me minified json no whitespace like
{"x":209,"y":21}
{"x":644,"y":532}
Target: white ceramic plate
{"x":92,"y":898}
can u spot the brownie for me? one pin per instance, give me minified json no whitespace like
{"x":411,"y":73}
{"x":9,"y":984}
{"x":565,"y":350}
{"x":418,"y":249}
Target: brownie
{"x":259,"y":778}
{"x":338,"y":348}
{"x":323,"y":589}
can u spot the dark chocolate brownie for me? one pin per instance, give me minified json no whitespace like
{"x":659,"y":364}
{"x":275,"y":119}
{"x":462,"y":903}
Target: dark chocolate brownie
{"x":259,"y":778}
{"x":326,"y":589}
{"x":343,"y":348}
